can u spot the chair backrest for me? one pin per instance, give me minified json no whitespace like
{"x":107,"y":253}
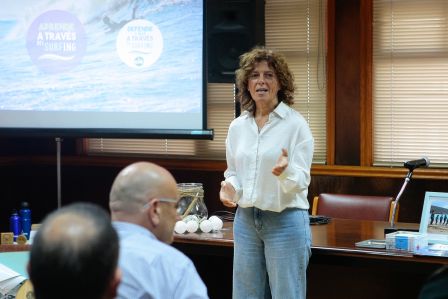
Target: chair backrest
{"x":361,"y":207}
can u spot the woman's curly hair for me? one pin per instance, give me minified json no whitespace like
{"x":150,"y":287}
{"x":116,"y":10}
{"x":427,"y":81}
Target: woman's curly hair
{"x":277,"y":62}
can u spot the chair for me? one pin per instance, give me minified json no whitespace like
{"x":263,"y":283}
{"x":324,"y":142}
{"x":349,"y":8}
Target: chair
{"x":361,"y":207}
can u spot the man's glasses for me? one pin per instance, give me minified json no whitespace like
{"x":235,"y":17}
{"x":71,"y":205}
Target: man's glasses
{"x":172,"y":200}
{"x":169,"y":200}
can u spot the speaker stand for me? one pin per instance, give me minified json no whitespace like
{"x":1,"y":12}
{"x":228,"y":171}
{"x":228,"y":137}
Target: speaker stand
{"x":58,"y":169}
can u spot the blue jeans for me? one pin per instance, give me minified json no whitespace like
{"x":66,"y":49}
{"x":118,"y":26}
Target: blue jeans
{"x":271,"y":253}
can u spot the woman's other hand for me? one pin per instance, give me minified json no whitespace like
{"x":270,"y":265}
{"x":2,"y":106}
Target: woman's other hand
{"x":282,"y":163}
{"x":226,"y":194}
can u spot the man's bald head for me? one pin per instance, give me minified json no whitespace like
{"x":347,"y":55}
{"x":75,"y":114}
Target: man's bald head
{"x":69,"y":228}
{"x":137,"y":183}
{"x":139,"y":195}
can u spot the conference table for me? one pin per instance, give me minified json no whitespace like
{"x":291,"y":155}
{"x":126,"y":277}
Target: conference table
{"x":337,"y":269}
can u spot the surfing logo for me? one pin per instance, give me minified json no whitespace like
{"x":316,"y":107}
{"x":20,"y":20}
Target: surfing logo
{"x":56,"y":41}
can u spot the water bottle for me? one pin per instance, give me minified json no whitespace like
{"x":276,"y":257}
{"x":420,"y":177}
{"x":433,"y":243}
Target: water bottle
{"x":25,"y":217}
{"x":14,"y":224}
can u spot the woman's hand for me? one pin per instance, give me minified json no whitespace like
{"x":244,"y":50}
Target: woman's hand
{"x":226,"y":194}
{"x":282,"y":163}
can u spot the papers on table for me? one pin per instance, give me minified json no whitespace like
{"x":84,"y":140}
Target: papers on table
{"x":10,"y":282}
{"x":435,"y":250}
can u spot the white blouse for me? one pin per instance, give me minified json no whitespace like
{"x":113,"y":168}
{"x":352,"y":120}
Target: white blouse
{"x":251,"y":155}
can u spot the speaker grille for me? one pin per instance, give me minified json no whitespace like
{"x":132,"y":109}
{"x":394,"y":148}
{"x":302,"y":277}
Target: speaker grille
{"x":233,"y":27}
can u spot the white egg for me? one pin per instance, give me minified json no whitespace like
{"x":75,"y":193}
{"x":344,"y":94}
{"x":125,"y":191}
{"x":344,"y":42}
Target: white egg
{"x":190,"y":217}
{"x":192,"y":226}
{"x":180,"y":227}
{"x":216,"y":222}
{"x":205,"y":226}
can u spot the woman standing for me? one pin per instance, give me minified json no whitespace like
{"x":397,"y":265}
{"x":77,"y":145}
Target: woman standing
{"x":269,"y":151}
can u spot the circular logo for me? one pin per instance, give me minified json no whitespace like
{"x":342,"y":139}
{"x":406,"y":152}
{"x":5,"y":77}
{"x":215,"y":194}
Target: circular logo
{"x":56,"y":41}
{"x":139,"y":43}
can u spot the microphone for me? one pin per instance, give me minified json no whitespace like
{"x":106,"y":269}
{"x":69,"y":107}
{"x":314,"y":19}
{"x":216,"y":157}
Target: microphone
{"x":413,"y":164}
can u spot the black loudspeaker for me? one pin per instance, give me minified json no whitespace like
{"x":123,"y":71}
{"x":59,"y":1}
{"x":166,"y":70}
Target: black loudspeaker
{"x":233,"y":27}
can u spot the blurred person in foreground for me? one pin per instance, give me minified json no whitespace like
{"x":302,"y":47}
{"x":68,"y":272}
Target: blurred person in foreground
{"x":143,"y":201}
{"x":436,"y":285}
{"x":75,"y":254}
{"x":269,"y":150}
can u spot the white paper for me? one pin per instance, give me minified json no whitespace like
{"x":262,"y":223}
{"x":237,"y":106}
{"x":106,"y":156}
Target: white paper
{"x":9,"y":281}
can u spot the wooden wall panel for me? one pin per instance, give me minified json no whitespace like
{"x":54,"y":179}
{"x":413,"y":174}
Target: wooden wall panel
{"x":347,"y":81}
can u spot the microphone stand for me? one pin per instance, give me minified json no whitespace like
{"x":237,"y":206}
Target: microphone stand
{"x":392,"y":227}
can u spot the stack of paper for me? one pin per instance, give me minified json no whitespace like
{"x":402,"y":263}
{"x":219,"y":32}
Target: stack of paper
{"x":435,"y":250}
{"x":10,"y":282}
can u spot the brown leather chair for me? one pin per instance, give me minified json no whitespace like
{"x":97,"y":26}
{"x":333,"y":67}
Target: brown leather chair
{"x":361,"y":207}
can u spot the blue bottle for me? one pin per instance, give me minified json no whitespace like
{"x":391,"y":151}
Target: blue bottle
{"x":25,"y":217}
{"x":14,"y":224}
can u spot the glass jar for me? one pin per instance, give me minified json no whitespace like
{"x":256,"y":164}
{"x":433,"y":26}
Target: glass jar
{"x":191,"y":200}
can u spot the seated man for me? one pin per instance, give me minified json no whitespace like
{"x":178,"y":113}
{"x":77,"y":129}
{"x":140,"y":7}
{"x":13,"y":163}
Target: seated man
{"x":75,"y":255}
{"x":143,"y":202}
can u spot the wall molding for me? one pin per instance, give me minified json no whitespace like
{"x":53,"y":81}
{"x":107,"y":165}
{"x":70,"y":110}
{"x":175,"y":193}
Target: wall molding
{"x":220,"y":166}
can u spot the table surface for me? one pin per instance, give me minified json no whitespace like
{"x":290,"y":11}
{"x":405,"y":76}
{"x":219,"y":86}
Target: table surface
{"x":16,"y":261}
{"x":338,"y":237}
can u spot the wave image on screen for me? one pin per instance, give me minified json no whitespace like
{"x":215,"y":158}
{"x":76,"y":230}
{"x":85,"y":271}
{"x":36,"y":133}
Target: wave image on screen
{"x":101,"y":64}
